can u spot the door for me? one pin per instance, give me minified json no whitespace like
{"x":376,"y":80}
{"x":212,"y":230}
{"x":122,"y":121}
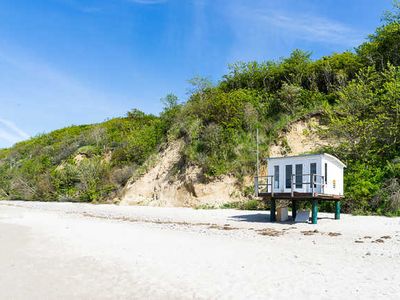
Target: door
{"x":276,"y":184}
{"x":288,"y":177}
{"x":313,"y":171}
{"x":299,"y":178}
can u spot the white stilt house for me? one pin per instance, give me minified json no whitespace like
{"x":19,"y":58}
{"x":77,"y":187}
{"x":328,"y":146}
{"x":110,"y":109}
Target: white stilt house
{"x":297,"y":173}
{"x":311,"y":176}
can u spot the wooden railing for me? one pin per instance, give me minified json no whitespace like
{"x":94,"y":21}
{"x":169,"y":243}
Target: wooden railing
{"x":265,"y":184}
{"x":259,"y":184}
{"x":313,"y":182}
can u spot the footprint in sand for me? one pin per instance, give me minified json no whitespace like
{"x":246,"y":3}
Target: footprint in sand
{"x":378,"y":241}
{"x":334,"y":233}
{"x":310,"y":232}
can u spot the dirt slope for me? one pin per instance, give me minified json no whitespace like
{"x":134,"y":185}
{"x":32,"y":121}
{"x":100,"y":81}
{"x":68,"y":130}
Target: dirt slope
{"x":299,"y":138}
{"x":165,"y":185}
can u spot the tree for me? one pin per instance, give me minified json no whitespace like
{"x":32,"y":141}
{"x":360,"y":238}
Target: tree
{"x":199,"y":84}
{"x":170,"y":101}
{"x":367,"y":118}
{"x":392,"y":16}
{"x":135,"y":114}
{"x":383,"y":46}
{"x":330,"y":73}
{"x":295,"y":67}
{"x":289,"y":97}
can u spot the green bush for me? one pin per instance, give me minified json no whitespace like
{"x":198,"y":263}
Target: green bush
{"x":250,"y":205}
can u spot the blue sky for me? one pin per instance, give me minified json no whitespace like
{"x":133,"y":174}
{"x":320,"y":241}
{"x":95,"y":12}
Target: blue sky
{"x":65,"y":62}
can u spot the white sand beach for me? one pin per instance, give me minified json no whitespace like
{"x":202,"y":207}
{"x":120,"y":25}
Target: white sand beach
{"x":83,"y":251}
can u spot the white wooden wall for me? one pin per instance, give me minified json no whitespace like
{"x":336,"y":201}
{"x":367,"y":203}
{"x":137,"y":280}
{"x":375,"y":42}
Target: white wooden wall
{"x":334,"y":182}
{"x":334,"y":185}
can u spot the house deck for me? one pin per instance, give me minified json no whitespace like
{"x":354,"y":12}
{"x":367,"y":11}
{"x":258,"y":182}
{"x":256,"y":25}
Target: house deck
{"x":299,"y":196}
{"x":263,"y":191}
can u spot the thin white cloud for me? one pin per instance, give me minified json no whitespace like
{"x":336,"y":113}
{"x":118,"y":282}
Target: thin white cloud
{"x":50,"y":97}
{"x":10,"y":133}
{"x":104,"y":6}
{"x":147,"y":2}
{"x":86,"y":7}
{"x":270,"y":29}
{"x":302,"y":26}
{"x":76,"y":93}
{"x":310,"y":27}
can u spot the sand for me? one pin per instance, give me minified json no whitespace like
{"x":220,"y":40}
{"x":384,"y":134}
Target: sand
{"x":162,"y":186}
{"x":82,"y":251}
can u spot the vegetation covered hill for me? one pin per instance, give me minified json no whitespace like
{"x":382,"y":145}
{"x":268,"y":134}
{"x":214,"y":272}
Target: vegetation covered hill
{"x":355,"y":93}
{"x":83,"y":163}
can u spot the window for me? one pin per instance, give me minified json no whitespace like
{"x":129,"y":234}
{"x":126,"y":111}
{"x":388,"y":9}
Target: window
{"x":276,"y":177}
{"x":289,"y":172}
{"x":326,"y":173}
{"x":299,"y":176}
{"x":313,"y":170}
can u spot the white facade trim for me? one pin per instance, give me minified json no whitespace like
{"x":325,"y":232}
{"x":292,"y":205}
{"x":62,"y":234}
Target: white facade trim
{"x":329,"y":171}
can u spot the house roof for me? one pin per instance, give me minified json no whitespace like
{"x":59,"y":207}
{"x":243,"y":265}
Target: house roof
{"x":329,"y":156}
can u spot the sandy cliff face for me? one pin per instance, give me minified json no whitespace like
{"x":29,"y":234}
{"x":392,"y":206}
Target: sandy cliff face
{"x":165,"y":185}
{"x":299,"y":138}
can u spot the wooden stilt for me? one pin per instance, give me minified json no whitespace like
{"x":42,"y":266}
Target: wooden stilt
{"x":337,"y":210}
{"x":314,"y":211}
{"x":273,"y":210}
{"x":294,"y":209}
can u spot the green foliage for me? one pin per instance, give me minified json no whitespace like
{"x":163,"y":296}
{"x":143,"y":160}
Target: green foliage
{"x":245,"y":205}
{"x":169,"y":115}
{"x":199,"y":85}
{"x":383,"y":46}
{"x":367,"y":118}
{"x":362,"y":182}
{"x":330,"y":73}
{"x":251,"y":205}
{"x":136,"y":114}
{"x":324,"y":75}
{"x":79,"y":163}
{"x":392,"y":16}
